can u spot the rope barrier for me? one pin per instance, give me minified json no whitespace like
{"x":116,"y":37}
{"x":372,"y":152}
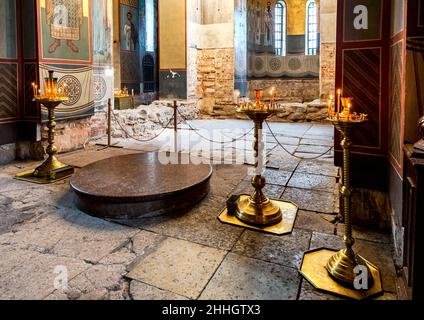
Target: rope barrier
{"x":293,"y":154}
{"x":195,"y":130}
{"x":210,"y":140}
{"x":93,"y":138}
{"x":138,"y":139}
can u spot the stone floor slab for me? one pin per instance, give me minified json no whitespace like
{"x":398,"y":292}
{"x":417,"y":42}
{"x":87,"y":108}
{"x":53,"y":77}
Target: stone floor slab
{"x":72,"y":234}
{"x":283,"y":162}
{"x":241,"y":278}
{"x":310,"y":200}
{"x":178,"y":266}
{"x":142,"y":291}
{"x":311,"y":181}
{"x":313,"y":150}
{"x":313,"y":221}
{"x":33,"y":277}
{"x":277,"y":177}
{"x":99,"y":282}
{"x":316,"y":142}
{"x":286,"y":250}
{"x":317,"y":167}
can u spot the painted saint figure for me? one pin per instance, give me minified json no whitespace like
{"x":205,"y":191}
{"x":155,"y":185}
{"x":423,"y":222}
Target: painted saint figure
{"x":65,"y":18}
{"x":268,"y":26}
{"x":131,"y":34}
{"x":258,"y":26}
{"x":102,"y":27}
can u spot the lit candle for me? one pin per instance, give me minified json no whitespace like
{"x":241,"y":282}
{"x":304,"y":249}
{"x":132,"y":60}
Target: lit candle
{"x":54,"y":86}
{"x":132,"y":92}
{"x":236,"y":97}
{"x":34,"y":91}
{"x":339,"y":96}
{"x":329,"y":108}
{"x":272,"y":94}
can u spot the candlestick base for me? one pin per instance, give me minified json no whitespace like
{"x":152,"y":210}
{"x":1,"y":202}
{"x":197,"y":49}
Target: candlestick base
{"x":259,"y":213}
{"x":284,"y":226}
{"x":56,"y":175}
{"x":341,"y":267}
{"x":50,"y":168}
{"x":313,"y":269}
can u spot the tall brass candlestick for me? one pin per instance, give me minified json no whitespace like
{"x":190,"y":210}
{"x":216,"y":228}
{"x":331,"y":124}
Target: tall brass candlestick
{"x":51,"y":169}
{"x":258,"y":209}
{"x":48,"y":168}
{"x":341,"y":265}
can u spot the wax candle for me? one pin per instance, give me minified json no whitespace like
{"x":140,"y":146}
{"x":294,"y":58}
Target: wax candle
{"x":329,"y":108}
{"x":272,"y":94}
{"x":339,"y":96}
{"x":54,"y":86}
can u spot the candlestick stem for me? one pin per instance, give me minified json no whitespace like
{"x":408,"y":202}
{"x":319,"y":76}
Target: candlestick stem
{"x":341,"y":266}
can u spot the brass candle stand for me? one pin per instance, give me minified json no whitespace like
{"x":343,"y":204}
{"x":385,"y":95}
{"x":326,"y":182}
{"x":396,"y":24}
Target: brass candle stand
{"x":257,"y":211}
{"x":51,"y":169}
{"x":337,"y":272}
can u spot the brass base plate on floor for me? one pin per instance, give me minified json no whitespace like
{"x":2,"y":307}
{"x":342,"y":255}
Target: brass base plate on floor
{"x":313,"y":270}
{"x":289,"y":210}
{"x":61,"y":174}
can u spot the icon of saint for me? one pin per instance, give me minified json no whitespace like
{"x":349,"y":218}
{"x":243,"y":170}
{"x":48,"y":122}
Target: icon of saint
{"x":65,"y":18}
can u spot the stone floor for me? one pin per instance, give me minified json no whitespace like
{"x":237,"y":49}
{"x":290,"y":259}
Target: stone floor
{"x":50,"y":250}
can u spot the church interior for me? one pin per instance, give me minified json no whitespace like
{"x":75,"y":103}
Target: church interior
{"x":211,"y":149}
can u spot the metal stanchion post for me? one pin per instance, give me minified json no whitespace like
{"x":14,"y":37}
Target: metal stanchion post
{"x":175,"y":126}
{"x":109,"y":129}
{"x":109,"y":122}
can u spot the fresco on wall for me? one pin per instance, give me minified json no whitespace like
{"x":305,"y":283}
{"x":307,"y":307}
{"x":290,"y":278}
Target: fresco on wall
{"x":260,"y":22}
{"x":264,"y":59}
{"x":240,"y":42}
{"x":129,"y":28}
{"x":130,"y":44}
{"x":65,"y":31}
{"x":102,"y":26}
{"x":102,"y":22}
{"x":8,"y":29}
{"x":79,"y":82}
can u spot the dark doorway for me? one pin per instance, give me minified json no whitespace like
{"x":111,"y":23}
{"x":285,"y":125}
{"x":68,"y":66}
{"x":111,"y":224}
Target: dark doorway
{"x":148,"y":66}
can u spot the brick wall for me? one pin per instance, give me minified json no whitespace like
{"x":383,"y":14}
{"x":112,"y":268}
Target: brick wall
{"x":215,"y":80}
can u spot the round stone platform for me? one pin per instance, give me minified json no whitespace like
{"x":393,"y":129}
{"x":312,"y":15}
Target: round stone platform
{"x":139,"y":185}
